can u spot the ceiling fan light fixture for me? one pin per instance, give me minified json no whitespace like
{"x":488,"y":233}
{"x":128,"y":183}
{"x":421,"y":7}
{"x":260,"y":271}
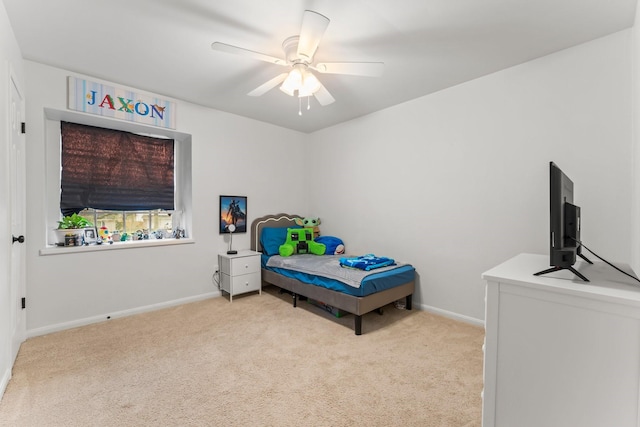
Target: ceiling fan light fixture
{"x":300,"y":80}
{"x":310,"y":84}
{"x":288,"y":89}
{"x":293,"y":81}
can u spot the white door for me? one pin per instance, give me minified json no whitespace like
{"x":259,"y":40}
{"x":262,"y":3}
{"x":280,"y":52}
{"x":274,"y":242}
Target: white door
{"x":17,"y":212}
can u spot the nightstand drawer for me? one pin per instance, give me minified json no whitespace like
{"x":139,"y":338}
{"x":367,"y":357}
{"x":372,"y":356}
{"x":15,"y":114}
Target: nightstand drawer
{"x":240,"y":265}
{"x":245,"y":283}
{"x":240,"y":284}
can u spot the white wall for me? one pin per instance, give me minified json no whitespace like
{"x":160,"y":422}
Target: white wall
{"x":231,"y":155}
{"x":10,"y":57}
{"x":457,"y":182}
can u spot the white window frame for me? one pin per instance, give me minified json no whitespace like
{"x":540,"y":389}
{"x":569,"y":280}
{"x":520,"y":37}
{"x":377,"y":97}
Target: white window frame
{"x":183,"y":196}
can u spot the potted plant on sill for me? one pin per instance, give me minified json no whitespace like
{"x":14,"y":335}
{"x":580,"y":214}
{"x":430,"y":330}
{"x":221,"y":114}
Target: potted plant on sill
{"x":70,"y":231}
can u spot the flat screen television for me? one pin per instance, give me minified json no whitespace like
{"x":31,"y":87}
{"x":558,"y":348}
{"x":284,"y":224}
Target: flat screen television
{"x":564,"y":224}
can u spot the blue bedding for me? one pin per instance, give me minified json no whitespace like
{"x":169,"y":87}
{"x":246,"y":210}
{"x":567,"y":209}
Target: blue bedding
{"x":366,"y":262}
{"x":372,"y":283}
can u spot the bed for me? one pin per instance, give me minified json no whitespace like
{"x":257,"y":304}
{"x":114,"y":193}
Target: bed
{"x":376,"y":291}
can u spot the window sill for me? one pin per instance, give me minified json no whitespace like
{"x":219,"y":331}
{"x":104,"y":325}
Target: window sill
{"x":59,"y":250}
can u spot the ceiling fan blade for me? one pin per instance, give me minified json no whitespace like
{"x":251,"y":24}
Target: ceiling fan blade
{"x":367,"y":69}
{"x":223,"y":47}
{"x":323,"y":96}
{"x":266,"y":87}
{"x":313,"y":27}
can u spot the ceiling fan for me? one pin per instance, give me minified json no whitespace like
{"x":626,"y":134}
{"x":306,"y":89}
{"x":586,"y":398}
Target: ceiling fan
{"x":299,"y":51}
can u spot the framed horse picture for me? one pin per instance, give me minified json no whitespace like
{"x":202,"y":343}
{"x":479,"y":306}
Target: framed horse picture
{"x":233,"y":210}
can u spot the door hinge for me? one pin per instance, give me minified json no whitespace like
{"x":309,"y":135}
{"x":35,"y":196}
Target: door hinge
{"x":24,"y":303}
{"x":23,"y":127}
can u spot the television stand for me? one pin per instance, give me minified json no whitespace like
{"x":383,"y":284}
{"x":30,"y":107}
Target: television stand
{"x":585,"y":258}
{"x":570,"y":268}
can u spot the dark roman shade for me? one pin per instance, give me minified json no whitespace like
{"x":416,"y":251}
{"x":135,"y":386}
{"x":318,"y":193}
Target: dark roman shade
{"x":115,"y":170}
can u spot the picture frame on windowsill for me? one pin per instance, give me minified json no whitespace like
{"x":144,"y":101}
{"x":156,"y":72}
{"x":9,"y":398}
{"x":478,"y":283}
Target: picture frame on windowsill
{"x":90,"y":235}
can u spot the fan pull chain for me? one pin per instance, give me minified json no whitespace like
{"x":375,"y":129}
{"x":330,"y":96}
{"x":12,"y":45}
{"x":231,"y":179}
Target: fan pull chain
{"x":300,"y":104}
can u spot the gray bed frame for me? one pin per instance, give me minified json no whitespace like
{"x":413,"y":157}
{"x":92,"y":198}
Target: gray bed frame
{"x":358,"y":306}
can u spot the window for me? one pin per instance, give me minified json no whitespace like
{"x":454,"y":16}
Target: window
{"x":180,"y":217}
{"x":114,"y":170}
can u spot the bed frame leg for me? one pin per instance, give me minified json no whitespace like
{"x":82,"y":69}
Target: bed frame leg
{"x":358,"y":324}
{"x":295,"y":299}
{"x":408,"y":303}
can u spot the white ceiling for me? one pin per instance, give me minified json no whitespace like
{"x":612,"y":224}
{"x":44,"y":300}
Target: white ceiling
{"x":163,"y":46}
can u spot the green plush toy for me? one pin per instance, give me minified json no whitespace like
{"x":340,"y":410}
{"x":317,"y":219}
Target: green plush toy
{"x":310,"y":222}
{"x":300,"y":241}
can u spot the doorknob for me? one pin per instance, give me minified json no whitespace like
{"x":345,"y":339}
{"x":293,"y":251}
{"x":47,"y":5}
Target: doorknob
{"x":19,"y":239}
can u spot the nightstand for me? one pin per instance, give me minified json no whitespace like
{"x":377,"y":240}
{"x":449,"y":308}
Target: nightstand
{"x":240,"y":273}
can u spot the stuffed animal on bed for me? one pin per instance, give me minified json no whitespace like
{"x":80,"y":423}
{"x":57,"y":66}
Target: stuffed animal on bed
{"x":300,"y":241}
{"x":310,"y":222}
{"x":334,"y":245}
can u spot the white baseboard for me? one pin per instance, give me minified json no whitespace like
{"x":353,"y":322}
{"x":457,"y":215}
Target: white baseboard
{"x":451,"y":315}
{"x":124,"y":313}
{"x":4,"y":382}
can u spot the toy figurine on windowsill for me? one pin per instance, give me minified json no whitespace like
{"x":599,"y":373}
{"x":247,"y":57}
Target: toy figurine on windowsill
{"x":104,"y":235}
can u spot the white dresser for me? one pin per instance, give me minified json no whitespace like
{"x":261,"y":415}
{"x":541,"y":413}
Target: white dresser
{"x":560,"y":352}
{"x":240,"y":273}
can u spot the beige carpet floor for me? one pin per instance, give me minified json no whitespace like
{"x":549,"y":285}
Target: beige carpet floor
{"x":254,"y":362}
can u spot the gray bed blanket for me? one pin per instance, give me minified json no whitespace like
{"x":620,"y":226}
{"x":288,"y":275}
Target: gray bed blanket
{"x":326,"y":266}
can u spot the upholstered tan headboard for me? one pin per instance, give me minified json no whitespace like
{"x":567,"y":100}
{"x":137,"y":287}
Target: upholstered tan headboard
{"x":277,"y":220}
